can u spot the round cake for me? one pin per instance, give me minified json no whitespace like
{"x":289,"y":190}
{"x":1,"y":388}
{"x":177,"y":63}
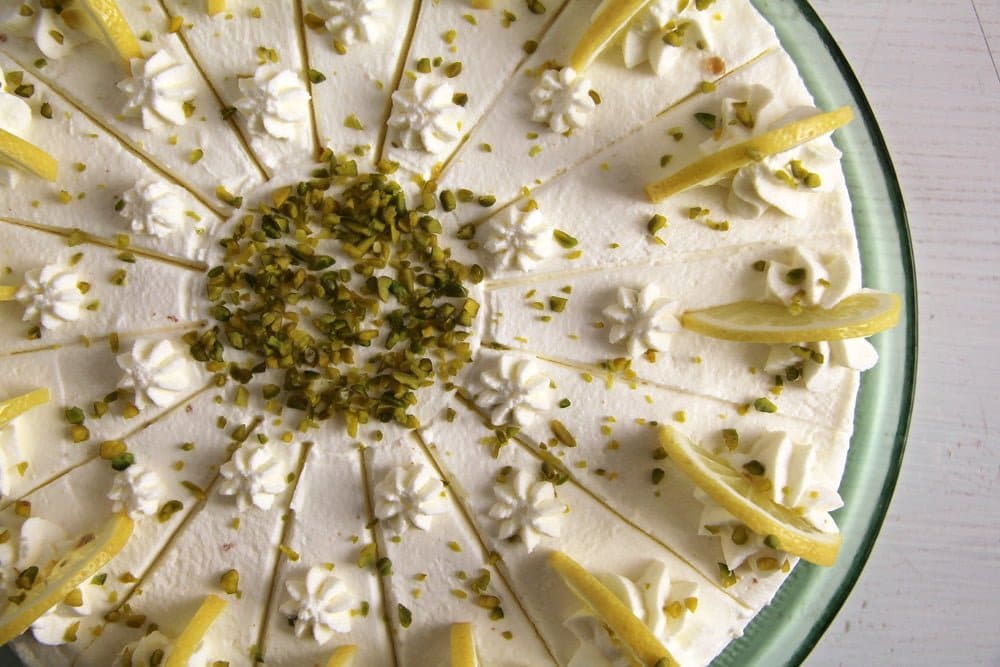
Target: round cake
{"x":367,"y":332}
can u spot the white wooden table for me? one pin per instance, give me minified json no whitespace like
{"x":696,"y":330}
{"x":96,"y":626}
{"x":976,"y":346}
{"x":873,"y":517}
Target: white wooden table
{"x":930,"y":593}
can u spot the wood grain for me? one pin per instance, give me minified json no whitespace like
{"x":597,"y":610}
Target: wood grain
{"x":931,"y":592}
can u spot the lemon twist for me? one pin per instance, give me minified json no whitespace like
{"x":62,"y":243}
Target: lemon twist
{"x":112,"y":28}
{"x":785,"y":528}
{"x":857,"y":316}
{"x":12,"y":407}
{"x":22,"y":154}
{"x":645,"y":648}
{"x":190,"y":637}
{"x":463,"y":646}
{"x":611,"y":19}
{"x":714,"y":166}
{"x":342,"y":656}
{"x":89,"y":555}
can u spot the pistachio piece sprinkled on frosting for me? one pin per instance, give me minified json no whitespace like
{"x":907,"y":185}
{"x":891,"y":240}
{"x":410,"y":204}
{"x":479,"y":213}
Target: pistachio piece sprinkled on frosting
{"x":527,"y":508}
{"x":319,"y":604}
{"x":562,"y":100}
{"x":660,"y":32}
{"x":801,"y":276}
{"x":158,"y":90}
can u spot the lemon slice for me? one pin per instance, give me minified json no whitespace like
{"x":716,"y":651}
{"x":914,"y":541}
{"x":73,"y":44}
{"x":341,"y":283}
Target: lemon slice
{"x":87,"y":557}
{"x":213,"y":7}
{"x":190,"y":637}
{"x":343,"y":656}
{"x":736,"y":494}
{"x":22,"y":154}
{"x":13,"y":407}
{"x":646,"y":649}
{"x":856,"y":316}
{"x":112,"y":28}
{"x":712,"y":167}
{"x":613,"y":17}
{"x":463,"y":646}
{"x":8,"y":292}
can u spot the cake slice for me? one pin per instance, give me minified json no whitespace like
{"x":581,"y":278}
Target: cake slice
{"x":94,"y":289}
{"x":159,"y":106}
{"x":254,"y":59}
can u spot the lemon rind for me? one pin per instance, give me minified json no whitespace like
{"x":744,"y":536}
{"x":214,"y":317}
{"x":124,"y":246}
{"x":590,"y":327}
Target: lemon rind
{"x":15,"y":406}
{"x":113,"y":27}
{"x":27,"y":156}
{"x":739,"y":155}
{"x":187,"y":641}
{"x":758,"y":512}
{"x":463,"y":646}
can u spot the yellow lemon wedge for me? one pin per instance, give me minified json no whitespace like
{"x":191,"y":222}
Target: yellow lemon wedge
{"x":12,"y":407}
{"x":612,"y":17}
{"x":712,"y":167}
{"x":22,"y":154}
{"x":342,"y":656}
{"x":112,"y":28}
{"x":863,"y":314}
{"x":89,"y":555}
{"x":190,"y":637}
{"x":8,"y":292}
{"x":785,"y":528}
{"x":646,"y":649}
{"x":463,"y":646}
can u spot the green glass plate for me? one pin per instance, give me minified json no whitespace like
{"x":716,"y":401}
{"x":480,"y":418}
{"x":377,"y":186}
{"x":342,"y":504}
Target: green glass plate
{"x":787,"y":630}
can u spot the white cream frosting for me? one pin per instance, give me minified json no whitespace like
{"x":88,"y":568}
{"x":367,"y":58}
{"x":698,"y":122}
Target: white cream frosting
{"x":807,"y":278}
{"x":425,"y":116}
{"x":157,"y":90}
{"x":409,"y":496}
{"x":772,"y":182}
{"x":38,"y":543}
{"x":518,"y":239}
{"x":53,"y":36}
{"x":137,"y":491}
{"x":562,"y":100}
{"x":319,"y":603}
{"x":528,"y":508}
{"x":51,"y":296}
{"x":741,"y":114}
{"x":642,"y":319}
{"x":513,"y":390}
{"x":351,"y":21}
{"x":158,"y":371}
{"x":644,"y":40}
{"x":791,"y":470}
{"x":664,"y":606}
{"x":140,"y":652}
{"x":815,"y":363}
{"x":275,"y":102}
{"x":10,"y":456}
{"x":55,"y":627}
{"x":255,"y":474}
{"x":155,"y":208}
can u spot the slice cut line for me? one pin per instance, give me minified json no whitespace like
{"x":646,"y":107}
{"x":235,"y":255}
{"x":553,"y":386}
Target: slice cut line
{"x":90,"y":554}
{"x":645,"y":648}
{"x":714,"y":166}
{"x":611,"y":19}
{"x":190,"y":637}
{"x":343,"y":656}
{"x":863,"y":314}
{"x":736,"y":494}
{"x":112,"y":28}
{"x":463,"y":646}
{"x":22,"y":154}
{"x":17,"y":405}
